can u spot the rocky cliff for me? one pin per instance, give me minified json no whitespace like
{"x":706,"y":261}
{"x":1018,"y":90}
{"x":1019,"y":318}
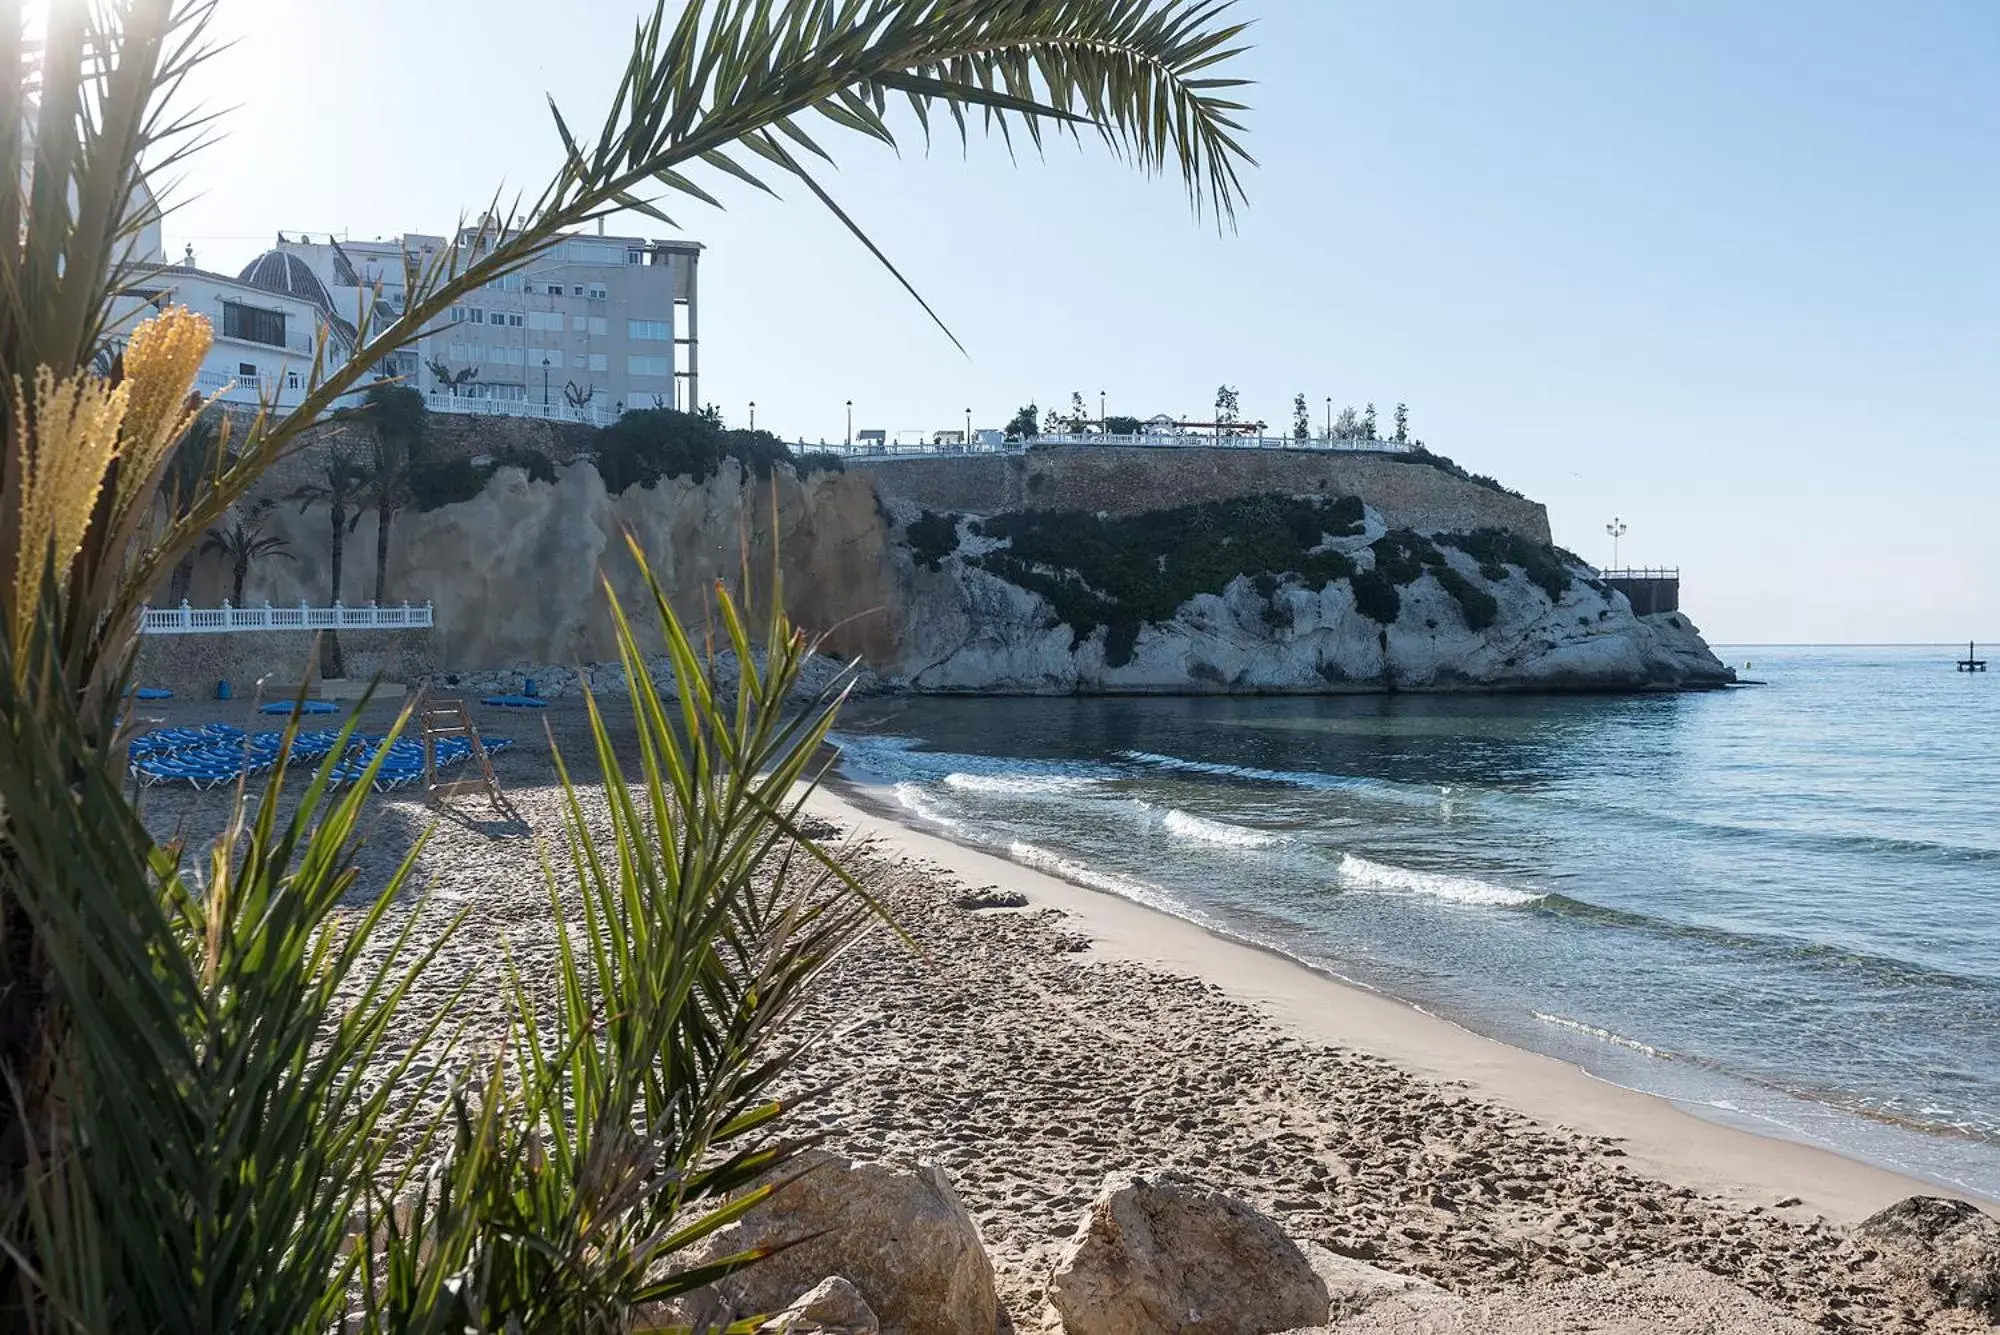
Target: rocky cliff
{"x":1273,"y":592}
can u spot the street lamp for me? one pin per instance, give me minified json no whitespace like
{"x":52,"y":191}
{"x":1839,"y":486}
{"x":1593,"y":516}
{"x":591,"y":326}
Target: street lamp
{"x":1100,"y":411}
{"x":968,"y":428}
{"x":850,"y":424}
{"x":753,"y":414}
{"x":1617,"y":528}
{"x":1329,"y":417}
{"x":545,"y":382}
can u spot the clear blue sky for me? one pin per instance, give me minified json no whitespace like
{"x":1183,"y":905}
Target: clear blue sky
{"x":1730,"y":271}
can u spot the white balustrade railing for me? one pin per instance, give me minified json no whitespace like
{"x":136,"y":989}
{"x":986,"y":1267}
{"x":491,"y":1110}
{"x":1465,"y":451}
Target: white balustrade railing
{"x":1191,"y":440}
{"x":465,"y":405}
{"x":186,"y":620}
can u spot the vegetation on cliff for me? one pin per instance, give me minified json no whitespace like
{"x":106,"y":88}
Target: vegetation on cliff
{"x":1121,"y":573}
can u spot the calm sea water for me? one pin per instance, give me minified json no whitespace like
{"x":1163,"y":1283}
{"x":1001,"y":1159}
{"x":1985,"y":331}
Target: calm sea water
{"x":1777,"y":905}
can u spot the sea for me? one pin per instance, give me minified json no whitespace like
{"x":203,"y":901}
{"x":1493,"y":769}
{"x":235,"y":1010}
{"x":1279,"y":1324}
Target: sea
{"x":1777,"y":905}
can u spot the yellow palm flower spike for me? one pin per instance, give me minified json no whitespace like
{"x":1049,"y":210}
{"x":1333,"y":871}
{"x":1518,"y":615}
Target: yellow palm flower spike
{"x":62,"y":462}
{"x":161,"y":363}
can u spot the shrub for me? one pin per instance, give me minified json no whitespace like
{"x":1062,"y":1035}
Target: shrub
{"x":1498,"y":548}
{"x":932,"y":537}
{"x":820,"y":461}
{"x":1479,"y":607}
{"x":1375,"y":597}
{"x":538,"y":466}
{"x":649,"y":444}
{"x":1430,"y":459}
{"x":436,"y":482}
{"x":1144,"y":567}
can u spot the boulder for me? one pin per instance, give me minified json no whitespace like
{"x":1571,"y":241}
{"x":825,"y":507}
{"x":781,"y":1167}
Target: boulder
{"x":831,"y":1307}
{"x":1353,"y":1286}
{"x":1950,"y":1249}
{"x":1164,"y":1253}
{"x":896,"y":1231}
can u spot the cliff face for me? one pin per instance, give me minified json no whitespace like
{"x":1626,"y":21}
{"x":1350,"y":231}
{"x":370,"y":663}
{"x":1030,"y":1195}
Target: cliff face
{"x":1264,"y":593}
{"x":1374,"y":610}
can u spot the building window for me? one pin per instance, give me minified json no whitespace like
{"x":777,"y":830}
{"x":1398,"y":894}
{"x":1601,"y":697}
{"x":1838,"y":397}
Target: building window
{"x":545,"y":320}
{"x":599,"y":292}
{"x":458,"y":315}
{"x":600,"y":361}
{"x":599,"y":325}
{"x":291,"y":380}
{"x":576,"y":289}
{"x":649,"y":331}
{"x":577,"y":361}
{"x":635,"y":257}
{"x":476,"y":315}
{"x":578,"y":324}
{"x":555,"y":289}
{"x":636,"y":365}
{"x":514,"y":319}
{"x":253,"y":324}
{"x":247,"y":370}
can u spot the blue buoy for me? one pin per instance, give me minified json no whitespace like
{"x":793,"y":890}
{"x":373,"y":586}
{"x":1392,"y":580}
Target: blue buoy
{"x":222,"y":689}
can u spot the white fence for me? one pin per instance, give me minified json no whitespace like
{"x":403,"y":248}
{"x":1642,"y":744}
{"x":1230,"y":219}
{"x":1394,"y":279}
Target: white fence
{"x":1186,"y":441}
{"x":466,"y":405}
{"x":185,"y":620}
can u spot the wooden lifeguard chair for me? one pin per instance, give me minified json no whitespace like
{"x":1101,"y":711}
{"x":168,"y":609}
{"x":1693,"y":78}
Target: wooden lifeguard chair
{"x":449,"y":718}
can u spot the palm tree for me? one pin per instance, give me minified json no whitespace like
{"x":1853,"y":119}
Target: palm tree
{"x":199,"y":1038}
{"x":340,"y":483}
{"x":398,"y":425}
{"x":242,"y":543}
{"x":200,"y":455}
{"x":448,"y":378}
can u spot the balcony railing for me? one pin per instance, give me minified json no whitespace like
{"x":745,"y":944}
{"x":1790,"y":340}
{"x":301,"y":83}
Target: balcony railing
{"x":466,"y":405}
{"x":186,"y":620}
{"x":1191,"y":440}
{"x":1642,"y":572}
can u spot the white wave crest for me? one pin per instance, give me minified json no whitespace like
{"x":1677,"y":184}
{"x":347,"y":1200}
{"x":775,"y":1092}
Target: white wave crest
{"x":1578,"y":1026}
{"x":1017,"y":785}
{"x":1041,"y":859}
{"x":1361,"y":874}
{"x":1186,"y":825}
{"x":914,"y":801}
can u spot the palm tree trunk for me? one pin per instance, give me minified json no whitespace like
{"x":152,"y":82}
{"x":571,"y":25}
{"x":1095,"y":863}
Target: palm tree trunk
{"x":331,"y":665}
{"x":382,"y":517}
{"x":182,"y":577}
{"x":240,"y":574}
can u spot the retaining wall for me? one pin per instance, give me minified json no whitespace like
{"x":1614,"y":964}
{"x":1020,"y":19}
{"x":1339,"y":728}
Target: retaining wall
{"x":1133,"y":480}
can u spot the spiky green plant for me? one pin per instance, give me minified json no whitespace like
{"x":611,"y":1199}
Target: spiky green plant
{"x":179,"y":1052}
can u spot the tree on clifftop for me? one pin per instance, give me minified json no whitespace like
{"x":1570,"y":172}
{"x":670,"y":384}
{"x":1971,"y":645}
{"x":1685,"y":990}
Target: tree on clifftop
{"x":1347,"y":426}
{"x":1368,"y":423}
{"x":1026,"y":421}
{"x":1403,"y":423}
{"x":1301,"y":418}
{"x":1226,"y":404}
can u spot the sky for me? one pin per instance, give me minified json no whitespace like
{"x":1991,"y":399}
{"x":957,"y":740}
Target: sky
{"x":1728,"y":272}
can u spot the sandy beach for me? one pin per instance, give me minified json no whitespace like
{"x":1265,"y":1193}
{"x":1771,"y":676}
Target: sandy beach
{"x":1031,"y":1050}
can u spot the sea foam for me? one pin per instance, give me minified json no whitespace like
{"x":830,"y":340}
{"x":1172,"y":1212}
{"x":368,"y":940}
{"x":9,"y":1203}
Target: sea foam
{"x":1017,"y":785}
{"x":1361,"y":874}
{"x":1186,"y":825}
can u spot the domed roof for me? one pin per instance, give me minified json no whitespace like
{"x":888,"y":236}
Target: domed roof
{"x":283,"y":272}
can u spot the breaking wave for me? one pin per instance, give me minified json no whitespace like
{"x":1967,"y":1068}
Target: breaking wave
{"x":1361,"y":874}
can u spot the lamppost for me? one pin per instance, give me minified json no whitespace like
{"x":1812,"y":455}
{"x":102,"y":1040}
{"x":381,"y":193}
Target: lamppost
{"x":968,"y":428}
{"x":1329,"y":417}
{"x":850,"y":424}
{"x":1100,"y":410}
{"x":1617,"y":528}
{"x":545,"y":382}
{"x":753,"y":414}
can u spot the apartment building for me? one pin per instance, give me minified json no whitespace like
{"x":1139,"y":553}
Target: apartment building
{"x":596,"y":325}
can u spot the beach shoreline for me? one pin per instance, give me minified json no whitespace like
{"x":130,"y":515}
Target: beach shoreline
{"x":1662,"y":1138}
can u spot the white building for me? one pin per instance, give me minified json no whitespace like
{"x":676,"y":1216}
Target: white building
{"x":592,"y":327}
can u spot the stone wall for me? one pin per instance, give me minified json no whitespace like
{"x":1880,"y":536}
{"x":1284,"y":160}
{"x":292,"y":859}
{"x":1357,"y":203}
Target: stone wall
{"x":190,"y":665}
{"x":1133,"y":480}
